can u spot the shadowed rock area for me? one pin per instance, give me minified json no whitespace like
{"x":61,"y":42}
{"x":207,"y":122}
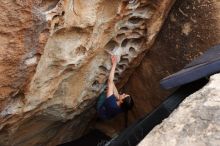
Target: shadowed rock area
{"x":173,"y":49}
{"x":191,"y":28}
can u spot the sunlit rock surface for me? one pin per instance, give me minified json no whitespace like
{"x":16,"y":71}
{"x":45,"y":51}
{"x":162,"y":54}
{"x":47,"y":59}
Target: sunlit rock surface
{"x":195,"y":123}
{"x":54,"y":61}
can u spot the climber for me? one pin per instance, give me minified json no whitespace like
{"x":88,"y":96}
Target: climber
{"x":111,"y":103}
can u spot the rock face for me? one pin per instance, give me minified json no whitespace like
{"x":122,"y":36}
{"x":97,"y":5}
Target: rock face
{"x":196,"y":122}
{"x":172,"y":49}
{"x":23,"y":35}
{"x":191,"y":27}
{"x":54,"y":57}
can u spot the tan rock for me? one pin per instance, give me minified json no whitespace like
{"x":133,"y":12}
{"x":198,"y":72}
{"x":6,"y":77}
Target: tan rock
{"x":55,"y":60}
{"x":195,"y":122}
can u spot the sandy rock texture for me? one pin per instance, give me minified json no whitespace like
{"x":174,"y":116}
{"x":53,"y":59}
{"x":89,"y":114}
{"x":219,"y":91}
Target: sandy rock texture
{"x":54,"y":61}
{"x":196,"y":122}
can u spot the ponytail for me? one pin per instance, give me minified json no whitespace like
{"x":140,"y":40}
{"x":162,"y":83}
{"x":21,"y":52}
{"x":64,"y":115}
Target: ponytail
{"x":127,"y":105}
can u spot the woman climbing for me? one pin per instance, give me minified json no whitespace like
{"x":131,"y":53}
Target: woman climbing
{"x":111,"y":103}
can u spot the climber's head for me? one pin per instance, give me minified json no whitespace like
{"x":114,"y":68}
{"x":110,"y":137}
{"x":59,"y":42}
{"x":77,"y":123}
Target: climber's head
{"x":126,"y":102}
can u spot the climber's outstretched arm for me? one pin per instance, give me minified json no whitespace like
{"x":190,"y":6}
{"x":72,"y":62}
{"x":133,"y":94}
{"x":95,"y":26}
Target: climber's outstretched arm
{"x":111,"y":84}
{"x":116,"y":92}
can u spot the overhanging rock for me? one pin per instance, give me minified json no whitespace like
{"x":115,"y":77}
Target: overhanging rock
{"x":54,"y":61}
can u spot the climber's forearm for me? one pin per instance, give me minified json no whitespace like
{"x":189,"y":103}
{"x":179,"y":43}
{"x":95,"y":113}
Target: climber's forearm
{"x":115,"y":91}
{"x":110,"y":90}
{"x":112,"y":73}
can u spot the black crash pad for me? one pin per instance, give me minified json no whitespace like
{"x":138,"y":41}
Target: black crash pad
{"x":204,"y":66}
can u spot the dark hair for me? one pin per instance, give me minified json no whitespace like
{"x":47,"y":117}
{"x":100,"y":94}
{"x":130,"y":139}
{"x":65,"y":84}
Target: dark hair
{"x":127,"y":104}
